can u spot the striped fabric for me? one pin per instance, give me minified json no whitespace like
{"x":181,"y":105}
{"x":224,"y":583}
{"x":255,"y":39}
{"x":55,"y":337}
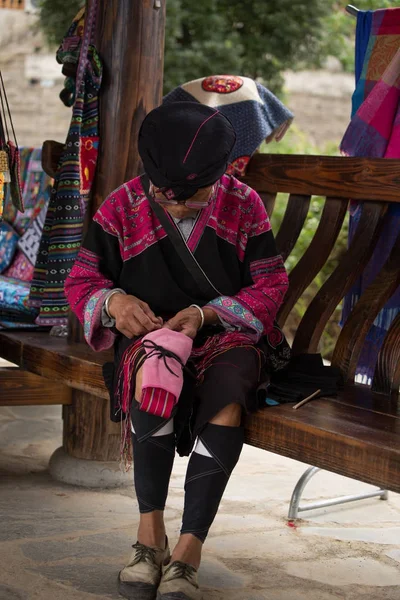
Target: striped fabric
{"x":374,"y":132}
{"x":63,"y":227}
{"x":158,"y":402}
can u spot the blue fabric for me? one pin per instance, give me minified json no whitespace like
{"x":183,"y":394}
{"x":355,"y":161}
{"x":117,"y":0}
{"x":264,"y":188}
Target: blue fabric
{"x":8,"y":245}
{"x":253,"y":120}
{"x":375,"y":148}
{"x":363,"y":32}
{"x":14,"y":296}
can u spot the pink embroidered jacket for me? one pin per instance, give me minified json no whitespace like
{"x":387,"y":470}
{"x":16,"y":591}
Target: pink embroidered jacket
{"x":232,"y":241}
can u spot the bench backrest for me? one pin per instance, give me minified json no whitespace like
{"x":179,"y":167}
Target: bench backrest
{"x":375,"y":183}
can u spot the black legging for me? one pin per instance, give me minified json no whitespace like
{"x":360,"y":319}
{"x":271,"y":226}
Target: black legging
{"x":206,"y":476}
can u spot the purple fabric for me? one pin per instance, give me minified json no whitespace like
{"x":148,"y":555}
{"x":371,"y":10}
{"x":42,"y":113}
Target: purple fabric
{"x":374,"y":131}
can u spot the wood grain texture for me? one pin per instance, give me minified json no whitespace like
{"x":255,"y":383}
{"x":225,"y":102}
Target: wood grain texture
{"x":362,"y":396}
{"x":21,"y":388}
{"x":337,"y":437}
{"x":292,"y":224}
{"x":387,"y":372}
{"x":88,"y":432}
{"x":130,"y":38}
{"x":339,"y":283}
{"x":316,"y":254}
{"x":269,"y":202}
{"x":352,"y":337}
{"x":342,"y":177}
{"x":74,"y":365}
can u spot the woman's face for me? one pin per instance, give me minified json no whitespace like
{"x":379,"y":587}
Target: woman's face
{"x":180,"y":211}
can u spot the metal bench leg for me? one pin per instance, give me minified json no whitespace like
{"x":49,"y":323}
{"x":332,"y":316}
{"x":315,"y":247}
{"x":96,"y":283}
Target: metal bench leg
{"x":295,"y":508}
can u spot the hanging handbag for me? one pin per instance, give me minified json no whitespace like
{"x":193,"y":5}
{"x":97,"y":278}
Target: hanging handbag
{"x":4,"y":155}
{"x":10,"y":149}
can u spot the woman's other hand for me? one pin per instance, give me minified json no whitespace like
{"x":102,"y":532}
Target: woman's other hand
{"x":187,"y":321}
{"x":133,"y":317}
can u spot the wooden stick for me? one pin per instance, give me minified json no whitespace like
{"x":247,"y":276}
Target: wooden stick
{"x":307,"y":399}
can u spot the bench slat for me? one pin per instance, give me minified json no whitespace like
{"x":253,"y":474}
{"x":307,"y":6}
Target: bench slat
{"x":292,"y":224}
{"x":340,"y":438}
{"x":375,"y":179}
{"x":269,"y":202}
{"x":361,"y":396}
{"x":21,"y":388}
{"x":352,"y":337}
{"x":387,"y":373}
{"x":76,"y":365}
{"x":316,"y":254}
{"x":341,"y":280}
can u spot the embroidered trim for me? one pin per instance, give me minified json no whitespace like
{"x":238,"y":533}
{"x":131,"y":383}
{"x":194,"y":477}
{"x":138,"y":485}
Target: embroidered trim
{"x":97,"y":336}
{"x":239,"y":214}
{"x":222,"y":84}
{"x":236,"y":314}
{"x":126,"y":214}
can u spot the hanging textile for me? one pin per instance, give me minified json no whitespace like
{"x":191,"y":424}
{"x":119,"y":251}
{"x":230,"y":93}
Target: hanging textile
{"x":2,"y":194}
{"x":15,"y":311}
{"x":11,"y":213}
{"x":20,"y":241}
{"x":36,"y":188}
{"x":374,"y":131}
{"x":63,"y":227}
{"x":9,"y":151}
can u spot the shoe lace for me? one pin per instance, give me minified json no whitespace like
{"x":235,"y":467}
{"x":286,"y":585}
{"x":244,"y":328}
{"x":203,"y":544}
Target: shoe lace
{"x":180,"y":570}
{"x":143,"y":553}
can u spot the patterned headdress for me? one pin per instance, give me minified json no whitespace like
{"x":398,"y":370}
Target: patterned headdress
{"x":256,"y":114}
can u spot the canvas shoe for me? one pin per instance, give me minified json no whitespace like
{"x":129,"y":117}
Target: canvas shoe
{"x":179,"y":582}
{"x":140,"y":578}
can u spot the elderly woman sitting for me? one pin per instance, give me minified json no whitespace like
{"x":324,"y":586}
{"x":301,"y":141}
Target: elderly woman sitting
{"x":184,"y":252}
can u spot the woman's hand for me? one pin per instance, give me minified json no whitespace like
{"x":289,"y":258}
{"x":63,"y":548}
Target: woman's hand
{"x":187,"y":321}
{"x":132,"y":316}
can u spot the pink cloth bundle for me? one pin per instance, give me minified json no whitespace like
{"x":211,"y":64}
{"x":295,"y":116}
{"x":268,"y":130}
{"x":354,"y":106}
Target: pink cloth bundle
{"x":162,"y":373}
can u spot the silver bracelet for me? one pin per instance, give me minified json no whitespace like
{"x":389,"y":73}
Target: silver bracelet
{"x":201,"y":311}
{"x":107,"y":300}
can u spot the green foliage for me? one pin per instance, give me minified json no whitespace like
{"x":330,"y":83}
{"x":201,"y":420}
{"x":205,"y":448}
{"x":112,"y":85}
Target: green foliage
{"x":56,"y":16}
{"x":257,"y":38}
{"x":339,"y":31}
{"x":260,"y":38}
{"x":297,"y":142}
{"x":197,"y":42}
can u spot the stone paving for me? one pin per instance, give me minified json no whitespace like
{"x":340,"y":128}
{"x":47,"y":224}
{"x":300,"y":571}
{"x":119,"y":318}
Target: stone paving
{"x":64,"y":543}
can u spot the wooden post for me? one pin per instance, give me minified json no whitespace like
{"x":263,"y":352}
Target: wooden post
{"x":130,"y":40}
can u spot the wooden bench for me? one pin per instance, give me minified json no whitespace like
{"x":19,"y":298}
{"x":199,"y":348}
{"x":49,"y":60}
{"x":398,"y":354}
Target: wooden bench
{"x":356,"y":434}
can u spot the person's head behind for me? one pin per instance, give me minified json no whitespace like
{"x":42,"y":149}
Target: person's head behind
{"x":185,"y":148}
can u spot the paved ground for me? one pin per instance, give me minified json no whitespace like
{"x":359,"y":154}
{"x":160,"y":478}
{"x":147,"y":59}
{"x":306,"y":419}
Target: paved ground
{"x":64,"y":543}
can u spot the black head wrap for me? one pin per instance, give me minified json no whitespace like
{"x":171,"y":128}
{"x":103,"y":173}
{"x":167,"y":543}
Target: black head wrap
{"x":185,"y":146}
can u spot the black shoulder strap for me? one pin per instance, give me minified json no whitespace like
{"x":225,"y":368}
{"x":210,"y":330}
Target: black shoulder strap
{"x":205,"y":286}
